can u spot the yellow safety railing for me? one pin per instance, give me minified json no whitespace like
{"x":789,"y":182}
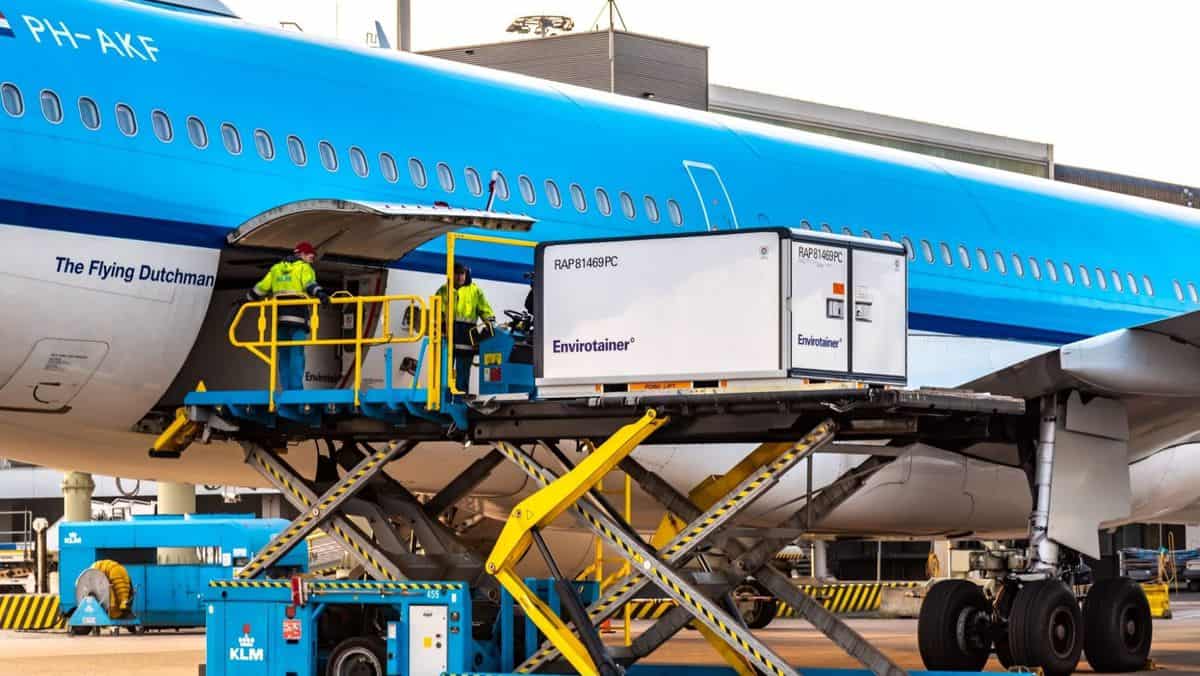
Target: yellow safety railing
{"x":451,"y":239}
{"x":267,"y":343}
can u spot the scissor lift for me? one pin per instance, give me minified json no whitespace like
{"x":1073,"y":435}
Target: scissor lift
{"x":700,"y":552}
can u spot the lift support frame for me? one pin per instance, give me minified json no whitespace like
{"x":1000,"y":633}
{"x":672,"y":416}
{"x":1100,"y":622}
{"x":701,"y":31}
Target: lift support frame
{"x":700,"y":520}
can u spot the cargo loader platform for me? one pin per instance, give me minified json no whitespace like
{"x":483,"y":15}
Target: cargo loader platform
{"x":702,"y":549}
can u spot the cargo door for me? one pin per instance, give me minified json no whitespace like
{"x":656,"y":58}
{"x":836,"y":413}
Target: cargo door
{"x":714,"y":199}
{"x":372,"y":231}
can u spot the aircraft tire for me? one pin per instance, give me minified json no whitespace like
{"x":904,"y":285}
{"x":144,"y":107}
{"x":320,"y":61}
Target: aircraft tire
{"x":1118,"y":630}
{"x":1045,"y":628}
{"x":954,"y":627}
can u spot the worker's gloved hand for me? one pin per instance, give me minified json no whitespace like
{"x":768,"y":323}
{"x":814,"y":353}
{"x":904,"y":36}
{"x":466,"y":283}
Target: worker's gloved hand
{"x":324,"y":298}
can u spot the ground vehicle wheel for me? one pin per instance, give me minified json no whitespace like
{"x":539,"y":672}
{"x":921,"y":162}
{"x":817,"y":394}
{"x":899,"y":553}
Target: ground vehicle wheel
{"x":954,"y":627}
{"x":80,"y":631}
{"x":1045,"y":628}
{"x":1193,"y":585}
{"x":1117,"y":626}
{"x":358,"y":656}
{"x":756,"y":612}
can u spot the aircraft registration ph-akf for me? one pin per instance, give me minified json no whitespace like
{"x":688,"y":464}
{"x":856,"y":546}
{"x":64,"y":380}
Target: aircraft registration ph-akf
{"x":155,"y":159}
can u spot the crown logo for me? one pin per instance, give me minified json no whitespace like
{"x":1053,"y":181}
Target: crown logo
{"x":246,"y":641}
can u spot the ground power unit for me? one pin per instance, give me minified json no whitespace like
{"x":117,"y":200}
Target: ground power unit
{"x":746,"y":310}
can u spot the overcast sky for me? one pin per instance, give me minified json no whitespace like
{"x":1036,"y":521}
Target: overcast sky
{"x":1111,"y":84}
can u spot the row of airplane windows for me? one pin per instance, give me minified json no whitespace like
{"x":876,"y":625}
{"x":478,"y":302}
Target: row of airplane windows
{"x":89,"y":114}
{"x":1002,"y":264}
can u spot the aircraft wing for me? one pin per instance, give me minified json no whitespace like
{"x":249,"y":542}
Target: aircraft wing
{"x":1153,"y":369}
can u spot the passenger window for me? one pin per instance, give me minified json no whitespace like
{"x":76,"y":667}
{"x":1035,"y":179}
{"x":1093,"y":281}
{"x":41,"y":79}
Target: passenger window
{"x":161,"y":123}
{"x":825,"y":227}
{"x":867,"y":234}
{"x":946,"y":257}
{"x":675,"y":212}
{"x":981,"y":256}
{"x":358,"y":162}
{"x":1084,"y":276}
{"x":51,"y":107}
{"x":1133,"y":287}
{"x":296,"y":151}
{"x":1116,"y":281}
{"x":964,"y":256}
{"x":1018,"y":269}
{"x":526,"y":187}
{"x":651,"y":208}
{"x":1000,"y":264}
{"x":927,"y":249}
{"x":1101,"y":279}
{"x":501,"y":185}
{"x":1034,"y":268}
{"x":445,"y":177}
{"x":14,"y":105}
{"x":1051,"y":271}
{"x":387,"y":165}
{"x":126,"y":120}
{"x":578,"y":198}
{"x":233,"y":139}
{"x":1178,"y":290}
{"x":1147,"y":285}
{"x":89,"y":113}
{"x":474,"y":183}
{"x":265,"y":144}
{"x":1192,"y":293}
{"x":602,"y":202}
{"x":1069,"y":273}
{"x":805,"y":225}
{"x":416,"y":171}
{"x":847,"y":231}
{"x":197,"y":134}
{"x":329,"y":158}
{"x":553,"y":194}
{"x":908,"y":248}
{"x":886,"y":237}
{"x":627,"y":207}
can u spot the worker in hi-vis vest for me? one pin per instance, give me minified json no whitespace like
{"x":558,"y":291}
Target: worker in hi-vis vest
{"x":292,"y":277}
{"x":471,"y":307}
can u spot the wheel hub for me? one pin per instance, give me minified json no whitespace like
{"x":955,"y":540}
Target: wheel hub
{"x":974,"y":630}
{"x":1131,"y":634}
{"x":1062,"y":632}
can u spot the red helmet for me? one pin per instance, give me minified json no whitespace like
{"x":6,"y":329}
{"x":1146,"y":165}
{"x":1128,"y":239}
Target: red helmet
{"x":305,"y":248}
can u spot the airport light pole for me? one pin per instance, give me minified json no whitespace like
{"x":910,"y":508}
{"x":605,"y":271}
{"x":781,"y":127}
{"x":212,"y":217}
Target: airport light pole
{"x":404,"y":25}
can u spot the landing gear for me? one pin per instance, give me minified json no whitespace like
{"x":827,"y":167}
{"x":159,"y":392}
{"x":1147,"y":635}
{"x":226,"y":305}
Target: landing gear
{"x":954,"y":632}
{"x":1117,"y":626}
{"x":1045,"y":628}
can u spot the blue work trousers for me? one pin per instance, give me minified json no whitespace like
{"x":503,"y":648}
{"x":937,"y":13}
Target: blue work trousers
{"x":291,"y":359}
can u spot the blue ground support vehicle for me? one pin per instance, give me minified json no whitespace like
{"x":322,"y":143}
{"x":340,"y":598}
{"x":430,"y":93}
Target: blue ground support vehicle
{"x":110,"y":575}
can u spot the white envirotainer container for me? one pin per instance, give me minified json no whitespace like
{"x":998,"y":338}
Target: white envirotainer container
{"x":739,"y":310}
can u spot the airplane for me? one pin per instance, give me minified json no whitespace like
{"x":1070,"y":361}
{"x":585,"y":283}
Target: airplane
{"x":156,"y":157}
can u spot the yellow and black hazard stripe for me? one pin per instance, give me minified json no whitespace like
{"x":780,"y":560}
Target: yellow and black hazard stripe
{"x":846,"y":597}
{"x":372,"y":585}
{"x":30,"y":611}
{"x":286,"y":540}
{"x":249,"y":584}
{"x":340,"y":533}
{"x":850,"y":597}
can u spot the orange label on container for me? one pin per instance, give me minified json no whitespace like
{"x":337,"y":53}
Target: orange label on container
{"x":839,"y":289}
{"x":638,"y":387}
